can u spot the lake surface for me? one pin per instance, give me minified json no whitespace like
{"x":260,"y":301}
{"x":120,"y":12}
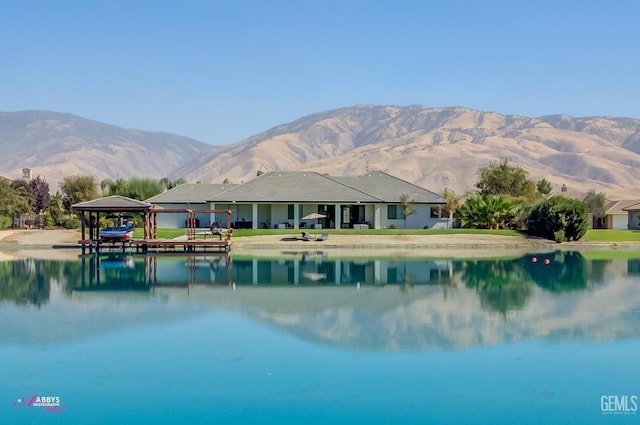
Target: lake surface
{"x":308,"y":338}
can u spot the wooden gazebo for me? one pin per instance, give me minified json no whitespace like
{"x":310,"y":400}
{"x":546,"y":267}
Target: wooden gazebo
{"x":90,"y":213}
{"x":90,"y":221}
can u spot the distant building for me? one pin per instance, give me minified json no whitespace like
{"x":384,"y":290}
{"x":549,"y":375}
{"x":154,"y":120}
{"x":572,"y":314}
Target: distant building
{"x":26,"y":174}
{"x":616,"y":216}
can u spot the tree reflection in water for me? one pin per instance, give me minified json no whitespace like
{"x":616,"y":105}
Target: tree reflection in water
{"x":26,"y":281}
{"x":501,"y":285}
{"x":506,"y":285}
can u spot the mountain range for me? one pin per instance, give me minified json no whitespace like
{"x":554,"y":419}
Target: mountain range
{"x":432,"y":147}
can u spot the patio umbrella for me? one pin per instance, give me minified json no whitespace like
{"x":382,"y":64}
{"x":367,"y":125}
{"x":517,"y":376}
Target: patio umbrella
{"x":313,"y":216}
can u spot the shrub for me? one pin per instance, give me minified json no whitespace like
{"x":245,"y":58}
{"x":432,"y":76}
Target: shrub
{"x":5,"y":222}
{"x":70,"y":223}
{"x":559,"y":218}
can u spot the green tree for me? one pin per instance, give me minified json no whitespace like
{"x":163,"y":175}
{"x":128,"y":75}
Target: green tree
{"x":54,"y":210}
{"x":12,"y":200}
{"x":407,"y":206}
{"x":226,"y":181}
{"x":78,"y":189}
{"x":501,"y":178}
{"x":259,"y":173}
{"x":559,"y":218}
{"x":544,"y":187}
{"x":110,"y":187}
{"x":39,"y":194}
{"x":168,"y":184}
{"x":452,"y":202}
{"x":485,"y":212}
{"x":135,"y":187}
{"x":596,"y":203}
{"x":142,"y":188}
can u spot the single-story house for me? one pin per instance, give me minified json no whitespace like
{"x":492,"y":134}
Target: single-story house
{"x":633,"y":216}
{"x":281,"y":199}
{"x":616,"y":215}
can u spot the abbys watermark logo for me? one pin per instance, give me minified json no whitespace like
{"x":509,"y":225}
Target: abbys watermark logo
{"x":48,"y":403}
{"x":619,"y":404}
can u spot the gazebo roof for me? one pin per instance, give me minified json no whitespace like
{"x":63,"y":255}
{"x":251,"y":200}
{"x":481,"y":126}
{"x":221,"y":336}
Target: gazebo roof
{"x":113,"y":203}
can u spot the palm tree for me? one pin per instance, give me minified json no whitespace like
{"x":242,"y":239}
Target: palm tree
{"x":485,"y":211}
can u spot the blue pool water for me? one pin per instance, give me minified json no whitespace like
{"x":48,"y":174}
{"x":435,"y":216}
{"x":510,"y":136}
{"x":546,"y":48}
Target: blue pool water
{"x":319,"y":340}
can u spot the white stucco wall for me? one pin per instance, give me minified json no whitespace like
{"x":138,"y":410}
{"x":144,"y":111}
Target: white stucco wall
{"x":619,"y":221}
{"x":279,"y":214}
{"x":419,"y":220}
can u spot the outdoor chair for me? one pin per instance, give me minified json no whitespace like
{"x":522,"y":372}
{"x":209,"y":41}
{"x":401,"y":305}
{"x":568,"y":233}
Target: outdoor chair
{"x":306,"y":237}
{"x":323,"y":237}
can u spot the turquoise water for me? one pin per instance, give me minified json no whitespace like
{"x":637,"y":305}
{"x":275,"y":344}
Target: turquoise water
{"x":307,"y":338}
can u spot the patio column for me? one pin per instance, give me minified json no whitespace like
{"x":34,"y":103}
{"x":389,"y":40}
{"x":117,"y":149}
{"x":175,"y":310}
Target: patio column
{"x":212,"y":216}
{"x":83,"y":218}
{"x":338,"y":216}
{"x":296,"y":216}
{"x":254,"y":215}
{"x":377,"y":208}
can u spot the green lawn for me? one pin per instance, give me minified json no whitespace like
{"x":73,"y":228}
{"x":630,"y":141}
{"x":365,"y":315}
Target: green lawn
{"x":591,"y":236}
{"x":611,"y":254}
{"x":258,"y":232}
{"x":172,"y":233}
{"x":605,"y":235}
{"x":162,"y":233}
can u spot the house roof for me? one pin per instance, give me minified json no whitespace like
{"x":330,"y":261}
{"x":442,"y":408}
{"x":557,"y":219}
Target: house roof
{"x":293,"y":186}
{"x":620,"y":207}
{"x":633,"y":207}
{"x":303,"y":187}
{"x":388,"y":188}
{"x":113,"y":203}
{"x":195,"y":193}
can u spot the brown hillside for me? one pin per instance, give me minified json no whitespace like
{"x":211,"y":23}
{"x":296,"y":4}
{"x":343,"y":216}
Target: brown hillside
{"x":439,"y":147}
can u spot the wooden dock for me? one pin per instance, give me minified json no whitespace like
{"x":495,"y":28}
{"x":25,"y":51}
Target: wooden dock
{"x":158,"y":245}
{"x":155,"y":245}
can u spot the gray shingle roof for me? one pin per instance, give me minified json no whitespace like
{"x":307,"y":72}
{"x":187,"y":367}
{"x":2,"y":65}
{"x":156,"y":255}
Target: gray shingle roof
{"x":619,"y":207}
{"x":293,"y":186}
{"x":303,"y":187}
{"x":388,"y":188}
{"x":307,"y":186}
{"x":112,"y":203}
{"x":190,"y":193}
{"x":633,"y":207}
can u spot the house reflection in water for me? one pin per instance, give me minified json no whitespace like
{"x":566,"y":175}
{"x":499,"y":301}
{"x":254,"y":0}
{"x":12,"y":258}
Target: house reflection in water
{"x":318,"y":269}
{"x":126,"y":272}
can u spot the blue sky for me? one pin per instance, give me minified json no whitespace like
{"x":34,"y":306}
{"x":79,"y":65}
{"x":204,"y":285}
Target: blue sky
{"x":222,"y":71}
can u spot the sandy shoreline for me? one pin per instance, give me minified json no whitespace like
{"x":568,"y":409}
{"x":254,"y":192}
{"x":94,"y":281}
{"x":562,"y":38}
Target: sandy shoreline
{"x":40,"y":243}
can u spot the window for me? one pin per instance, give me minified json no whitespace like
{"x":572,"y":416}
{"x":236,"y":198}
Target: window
{"x":290,"y":212}
{"x":394,"y":212}
{"x":435,"y":211}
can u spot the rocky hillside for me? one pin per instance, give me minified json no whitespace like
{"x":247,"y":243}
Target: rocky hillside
{"x":56,"y":145}
{"x":439,"y":147}
{"x":433,"y":147}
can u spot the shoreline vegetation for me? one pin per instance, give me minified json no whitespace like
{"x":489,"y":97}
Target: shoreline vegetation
{"x":458,"y":243}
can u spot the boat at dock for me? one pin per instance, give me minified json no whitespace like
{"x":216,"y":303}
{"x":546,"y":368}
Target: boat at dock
{"x":119,"y":230}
